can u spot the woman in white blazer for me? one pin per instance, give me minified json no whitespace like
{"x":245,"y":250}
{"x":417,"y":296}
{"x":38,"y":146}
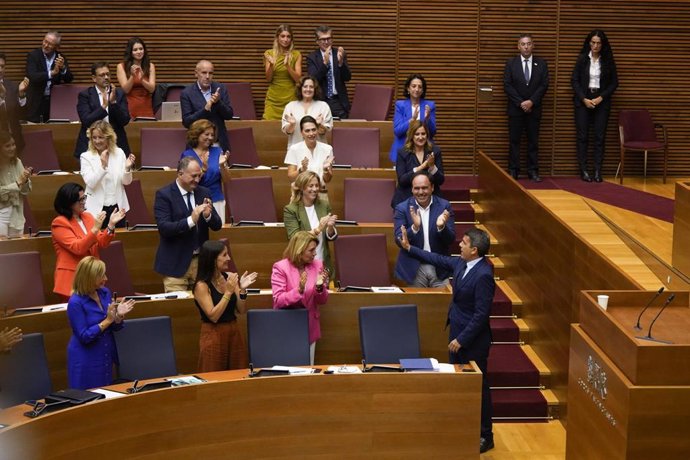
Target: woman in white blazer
{"x":105,"y":169}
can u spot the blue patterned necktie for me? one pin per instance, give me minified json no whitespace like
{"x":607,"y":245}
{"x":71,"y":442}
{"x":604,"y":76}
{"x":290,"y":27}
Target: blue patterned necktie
{"x":329,"y":79}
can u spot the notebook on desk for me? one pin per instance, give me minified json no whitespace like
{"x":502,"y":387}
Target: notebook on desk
{"x":171,"y":111}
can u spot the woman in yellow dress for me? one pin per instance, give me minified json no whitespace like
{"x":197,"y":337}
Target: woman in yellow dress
{"x":283,"y":67}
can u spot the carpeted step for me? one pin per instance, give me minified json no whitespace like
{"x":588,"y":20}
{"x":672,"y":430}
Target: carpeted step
{"x":521,"y":403}
{"x":502,"y":305}
{"x":509,"y":366}
{"x":457,"y":187}
{"x":463,"y":212}
{"x":460,"y":230}
{"x":504,"y":330}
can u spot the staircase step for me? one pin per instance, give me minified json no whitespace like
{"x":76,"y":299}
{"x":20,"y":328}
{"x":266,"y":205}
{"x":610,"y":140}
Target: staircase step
{"x":501,"y":305}
{"x":509,"y":366}
{"x":464,"y":212}
{"x":519,"y":405}
{"x":504,"y":330}
{"x":509,"y":293}
{"x":544,"y":371}
{"x":524,"y":330}
{"x":556,"y":407}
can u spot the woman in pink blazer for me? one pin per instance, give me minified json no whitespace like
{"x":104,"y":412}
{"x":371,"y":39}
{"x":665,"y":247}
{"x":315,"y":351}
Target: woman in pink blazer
{"x":300,"y":281}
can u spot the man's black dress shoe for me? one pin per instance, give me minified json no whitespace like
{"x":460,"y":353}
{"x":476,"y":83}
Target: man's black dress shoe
{"x":597,"y":176}
{"x":534,"y":177}
{"x":485,"y":444}
{"x":585,"y":176}
{"x":513,"y":173}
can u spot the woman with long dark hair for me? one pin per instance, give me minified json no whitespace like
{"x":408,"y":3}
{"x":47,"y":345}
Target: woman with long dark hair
{"x":15,"y":184}
{"x":414,"y":107}
{"x":220,"y":297}
{"x":594,"y":81}
{"x":137,"y":77}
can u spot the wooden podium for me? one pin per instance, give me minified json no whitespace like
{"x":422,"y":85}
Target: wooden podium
{"x":629,"y":397}
{"x":681,"y":229}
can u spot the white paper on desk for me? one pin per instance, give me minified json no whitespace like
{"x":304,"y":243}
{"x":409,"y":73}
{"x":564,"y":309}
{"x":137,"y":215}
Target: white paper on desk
{"x":263,"y":167}
{"x":345,"y":369}
{"x":56,"y":307}
{"x":108,"y":393}
{"x":274,"y":224}
{"x":293,"y":370}
{"x":446,"y":368}
{"x":169,"y":295}
{"x":386,"y":289}
{"x":265,"y":291}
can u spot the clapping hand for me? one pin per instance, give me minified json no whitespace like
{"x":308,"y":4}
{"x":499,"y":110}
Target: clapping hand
{"x":442,"y":219}
{"x":416,"y":216}
{"x":124,"y":307}
{"x":290,"y":118}
{"x":270,"y":58}
{"x":430,"y":161}
{"x":98,"y":222}
{"x":130,"y":162}
{"x":116,"y":217}
{"x":136,"y":70}
{"x":112,"y":94}
{"x":247,"y":279}
{"x":328,"y":162}
{"x":23,"y":86}
{"x":341,"y":55}
{"x":24,"y":176}
{"x":302,"y":281}
{"x":404,"y":242}
{"x":304,"y":164}
{"x":9,"y":338}
{"x":223,"y":158}
{"x":427,"y":111}
{"x":331,"y":220}
{"x":415,"y":112}
{"x":322,"y":278}
{"x":231,"y":283}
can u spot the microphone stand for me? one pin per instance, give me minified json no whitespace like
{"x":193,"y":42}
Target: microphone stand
{"x":649,"y":332}
{"x":658,"y":293}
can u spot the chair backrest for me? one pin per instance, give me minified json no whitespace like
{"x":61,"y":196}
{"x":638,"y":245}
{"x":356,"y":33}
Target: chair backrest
{"x":371,"y":102}
{"x":231,"y":264}
{"x":369,"y":200}
{"x":361,"y":260}
{"x":162,"y":146}
{"x":173,"y":93}
{"x":30,"y":223}
{"x":39,"y":151}
{"x":63,"y":101}
{"x":119,"y":280}
{"x":138,"y":212}
{"x":251,"y":198}
{"x":637,"y":125}
{"x":146,"y":349}
{"x":278,"y":337}
{"x":242,"y":100}
{"x":21,"y":280}
{"x":388,"y":333}
{"x":358,"y":147}
{"x":24,"y":373}
{"x":243,"y":147}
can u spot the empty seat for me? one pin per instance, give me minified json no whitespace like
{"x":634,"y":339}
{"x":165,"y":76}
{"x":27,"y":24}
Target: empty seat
{"x":145,"y":348}
{"x":278,"y":337}
{"x":39,"y":151}
{"x":368,"y":200}
{"x":30,"y":224}
{"x":243,"y":147}
{"x":251,"y":198}
{"x":371,"y":102}
{"x":358,"y":147}
{"x":242,"y":100}
{"x":138,"y":212}
{"x":21,"y":280}
{"x":362,"y":260}
{"x":388,"y":333}
{"x":24,"y":373}
{"x":119,"y":279}
{"x":173,"y":93}
{"x":63,"y":102}
{"x":162,"y":146}
{"x":638,"y":133}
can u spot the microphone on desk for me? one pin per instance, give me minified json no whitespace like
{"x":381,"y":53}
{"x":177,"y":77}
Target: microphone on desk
{"x":649,"y":332}
{"x":658,"y":293}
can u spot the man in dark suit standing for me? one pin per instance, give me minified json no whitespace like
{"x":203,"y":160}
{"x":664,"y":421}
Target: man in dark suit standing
{"x":468,"y":314}
{"x":184,"y":213}
{"x":525,"y":81}
{"x":206,"y":99}
{"x":430,"y":226}
{"x":45,"y":67}
{"x":329,"y":66}
{"x":102,"y":102}
{"x":12,"y":104}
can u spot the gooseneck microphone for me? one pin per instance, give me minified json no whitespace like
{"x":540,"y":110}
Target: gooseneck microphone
{"x":649,"y":332}
{"x":658,"y":293}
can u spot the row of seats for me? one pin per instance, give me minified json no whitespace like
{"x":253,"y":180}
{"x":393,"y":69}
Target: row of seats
{"x":161,"y":147}
{"x":275,"y":337}
{"x":370,"y":102}
{"x":360,"y":260}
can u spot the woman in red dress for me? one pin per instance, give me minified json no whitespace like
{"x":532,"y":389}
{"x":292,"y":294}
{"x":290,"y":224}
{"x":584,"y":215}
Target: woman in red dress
{"x":137,"y":77}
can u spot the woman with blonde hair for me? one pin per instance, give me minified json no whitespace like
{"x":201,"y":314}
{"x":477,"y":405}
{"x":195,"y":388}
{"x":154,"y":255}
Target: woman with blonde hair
{"x":106,"y":170}
{"x":283,"y":68}
{"x":93,"y":316}
{"x":308,"y":212}
{"x":299,"y":280}
{"x":15,"y":183}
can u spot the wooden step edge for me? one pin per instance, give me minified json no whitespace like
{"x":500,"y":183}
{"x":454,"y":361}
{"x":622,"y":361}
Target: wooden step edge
{"x":477,"y":208}
{"x":498,"y":263}
{"x":550,"y":396}
{"x":555,"y":407}
{"x":523,"y":328}
{"x":508,"y":291}
{"x":538,"y":363}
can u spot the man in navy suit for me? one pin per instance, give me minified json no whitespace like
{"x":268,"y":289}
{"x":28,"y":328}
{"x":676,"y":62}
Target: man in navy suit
{"x":12,"y":104}
{"x":329,"y":66}
{"x":184,"y":213}
{"x":45,"y":67}
{"x":468,"y":314}
{"x":525,"y":81}
{"x":102,"y":102}
{"x":206,"y":99}
{"x":430,"y":226}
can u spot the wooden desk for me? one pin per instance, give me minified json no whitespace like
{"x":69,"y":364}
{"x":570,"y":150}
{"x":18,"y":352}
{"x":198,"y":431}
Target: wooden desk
{"x":339,"y":327}
{"x":44,"y":188}
{"x":253,"y":249}
{"x":395,"y":415}
{"x":270,"y":141}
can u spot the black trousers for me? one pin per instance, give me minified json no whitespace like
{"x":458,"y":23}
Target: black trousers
{"x":337,"y":109}
{"x":487,"y":407}
{"x":517,"y":124}
{"x":598,"y":119}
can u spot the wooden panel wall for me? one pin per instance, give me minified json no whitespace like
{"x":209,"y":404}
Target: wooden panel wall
{"x":457,"y":45}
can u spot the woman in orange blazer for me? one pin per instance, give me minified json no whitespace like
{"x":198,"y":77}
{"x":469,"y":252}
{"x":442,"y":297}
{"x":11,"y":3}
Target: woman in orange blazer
{"x":77,"y":234}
